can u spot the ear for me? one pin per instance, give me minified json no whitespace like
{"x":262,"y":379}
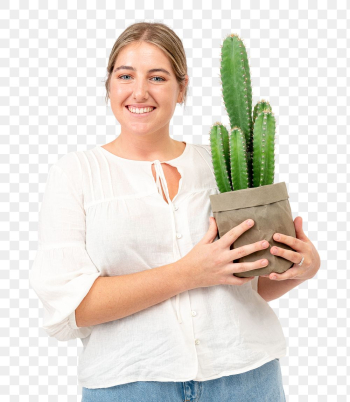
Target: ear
{"x":182,"y":89}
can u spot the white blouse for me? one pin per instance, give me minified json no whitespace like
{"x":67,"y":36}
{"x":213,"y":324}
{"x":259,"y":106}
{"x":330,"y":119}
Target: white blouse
{"x":103,"y":215}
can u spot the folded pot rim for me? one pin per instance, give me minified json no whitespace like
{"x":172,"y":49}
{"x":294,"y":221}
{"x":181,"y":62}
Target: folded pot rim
{"x":249,"y":197}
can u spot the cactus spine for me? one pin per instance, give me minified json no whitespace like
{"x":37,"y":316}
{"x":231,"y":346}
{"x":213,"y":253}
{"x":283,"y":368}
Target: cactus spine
{"x":244,"y":157}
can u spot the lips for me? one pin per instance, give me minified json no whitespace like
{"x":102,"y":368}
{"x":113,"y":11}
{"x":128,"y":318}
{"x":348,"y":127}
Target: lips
{"x":140,"y":114}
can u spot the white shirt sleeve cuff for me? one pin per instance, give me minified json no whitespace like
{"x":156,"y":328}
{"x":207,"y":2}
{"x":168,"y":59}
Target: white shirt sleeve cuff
{"x":72,"y":321}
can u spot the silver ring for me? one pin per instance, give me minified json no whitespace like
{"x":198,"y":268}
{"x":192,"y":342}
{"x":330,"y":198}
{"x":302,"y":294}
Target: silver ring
{"x":301,"y":262}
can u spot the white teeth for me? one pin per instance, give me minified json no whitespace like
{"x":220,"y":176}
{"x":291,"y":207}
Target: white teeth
{"x":139,"y":111}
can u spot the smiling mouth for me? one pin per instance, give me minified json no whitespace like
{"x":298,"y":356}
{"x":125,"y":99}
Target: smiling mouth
{"x":140,"y":114}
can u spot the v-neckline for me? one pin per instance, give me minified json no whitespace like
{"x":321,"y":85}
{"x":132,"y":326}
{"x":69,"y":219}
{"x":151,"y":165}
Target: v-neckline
{"x":148,"y":164}
{"x":161,"y":183}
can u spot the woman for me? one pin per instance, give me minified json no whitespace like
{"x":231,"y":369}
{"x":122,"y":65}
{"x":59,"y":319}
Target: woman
{"x":127,"y":261}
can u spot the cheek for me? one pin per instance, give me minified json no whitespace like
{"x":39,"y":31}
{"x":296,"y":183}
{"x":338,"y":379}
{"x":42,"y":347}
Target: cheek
{"x":117,"y":87}
{"x":116,"y":91}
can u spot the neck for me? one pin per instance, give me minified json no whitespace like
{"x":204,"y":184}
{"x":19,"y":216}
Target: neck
{"x":164,"y":148}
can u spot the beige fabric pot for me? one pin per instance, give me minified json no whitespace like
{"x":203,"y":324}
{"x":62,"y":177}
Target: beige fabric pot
{"x":269,"y":207}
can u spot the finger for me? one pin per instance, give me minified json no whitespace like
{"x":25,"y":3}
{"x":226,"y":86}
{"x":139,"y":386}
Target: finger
{"x":232,"y":235}
{"x":237,"y":267}
{"x":300,"y":234}
{"x":240,"y":252}
{"x":286,"y":254}
{"x":291,"y":273}
{"x":292,"y":242}
{"x":212,"y":231}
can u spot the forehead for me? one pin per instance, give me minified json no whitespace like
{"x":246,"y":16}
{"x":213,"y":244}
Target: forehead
{"x":144,"y":55}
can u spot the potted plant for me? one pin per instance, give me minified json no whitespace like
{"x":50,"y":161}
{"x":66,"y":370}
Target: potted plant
{"x":244,"y":165}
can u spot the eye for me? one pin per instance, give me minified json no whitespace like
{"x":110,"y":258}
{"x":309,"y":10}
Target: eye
{"x":160,"y":78}
{"x":127,"y":75}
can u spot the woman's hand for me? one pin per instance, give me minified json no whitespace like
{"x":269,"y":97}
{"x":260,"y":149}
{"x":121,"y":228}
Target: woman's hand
{"x":210,"y":262}
{"x":303,"y":248}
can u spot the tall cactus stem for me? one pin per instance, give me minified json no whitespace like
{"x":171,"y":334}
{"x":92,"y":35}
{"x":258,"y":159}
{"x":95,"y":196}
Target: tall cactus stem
{"x":236,"y":84}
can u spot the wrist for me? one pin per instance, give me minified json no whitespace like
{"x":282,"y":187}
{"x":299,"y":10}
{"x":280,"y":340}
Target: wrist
{"x":185,"y":275}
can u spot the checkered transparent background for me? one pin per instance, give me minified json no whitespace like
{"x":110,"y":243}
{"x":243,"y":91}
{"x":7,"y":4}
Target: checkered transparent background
{"x":52,"y":72}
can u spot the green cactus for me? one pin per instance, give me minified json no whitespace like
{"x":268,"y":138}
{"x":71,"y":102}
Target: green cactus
{"x":244,"y":157}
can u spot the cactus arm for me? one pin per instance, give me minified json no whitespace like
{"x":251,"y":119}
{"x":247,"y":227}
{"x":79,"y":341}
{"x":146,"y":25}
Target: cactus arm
{"x":269,"y":149}
{"x":236,"y":84}
{"x":220,"y":161}
{"x":238,"y":159}
{"x":222,"y":131}
{"x":263,"y":145}
{"x":259,"y":107}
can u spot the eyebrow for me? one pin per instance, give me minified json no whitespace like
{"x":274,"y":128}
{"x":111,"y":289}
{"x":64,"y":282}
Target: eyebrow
{"x":134,"y":69}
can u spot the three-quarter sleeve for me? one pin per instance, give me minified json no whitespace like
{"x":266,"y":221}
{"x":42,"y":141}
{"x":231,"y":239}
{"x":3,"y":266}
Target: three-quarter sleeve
{"x":62,"y":273}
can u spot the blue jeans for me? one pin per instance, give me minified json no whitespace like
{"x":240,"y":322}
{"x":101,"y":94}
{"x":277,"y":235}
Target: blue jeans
{"x":263,"y":384}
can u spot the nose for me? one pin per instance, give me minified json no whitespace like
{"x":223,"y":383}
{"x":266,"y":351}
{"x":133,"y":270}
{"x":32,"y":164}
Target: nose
{"x":140,"y":89}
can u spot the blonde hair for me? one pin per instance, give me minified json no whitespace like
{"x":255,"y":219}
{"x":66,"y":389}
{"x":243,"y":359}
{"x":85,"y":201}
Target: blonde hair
{"x":159,"y":35}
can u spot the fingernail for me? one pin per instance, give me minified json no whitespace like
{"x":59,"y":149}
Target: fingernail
{"x":273,"y":277}
{"x":249,"y":222}
{"x":264,"y":243}
{"x":277,"y":236}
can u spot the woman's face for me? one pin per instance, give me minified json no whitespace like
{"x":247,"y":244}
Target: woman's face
{"x":139,"y":86}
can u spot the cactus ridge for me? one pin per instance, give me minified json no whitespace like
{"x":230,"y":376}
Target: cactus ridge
{"x":244,"y":156}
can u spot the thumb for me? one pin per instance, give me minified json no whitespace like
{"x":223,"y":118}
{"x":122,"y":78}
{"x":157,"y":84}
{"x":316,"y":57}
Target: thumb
{"x":298,"y":224}
{"x":212,"y":231}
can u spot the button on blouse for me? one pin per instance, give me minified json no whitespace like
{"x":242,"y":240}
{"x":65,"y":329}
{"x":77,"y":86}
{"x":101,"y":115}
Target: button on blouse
{"x":160,"y":176}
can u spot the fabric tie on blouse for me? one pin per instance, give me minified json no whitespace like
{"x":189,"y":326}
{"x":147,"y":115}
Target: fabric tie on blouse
{"x":160,"y":175}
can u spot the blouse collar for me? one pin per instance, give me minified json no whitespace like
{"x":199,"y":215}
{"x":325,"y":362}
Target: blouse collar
{"x":171,"y":161}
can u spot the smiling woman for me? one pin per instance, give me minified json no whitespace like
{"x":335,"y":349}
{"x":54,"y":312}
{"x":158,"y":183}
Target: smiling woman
{"x":116,"y":224}
{"x":156,"y":34}
{"x":147,"y":78}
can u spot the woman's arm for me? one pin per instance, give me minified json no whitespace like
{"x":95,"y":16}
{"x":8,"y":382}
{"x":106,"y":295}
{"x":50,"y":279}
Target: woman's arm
{"x":111,"y":298}
{"x":271,"y":290}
